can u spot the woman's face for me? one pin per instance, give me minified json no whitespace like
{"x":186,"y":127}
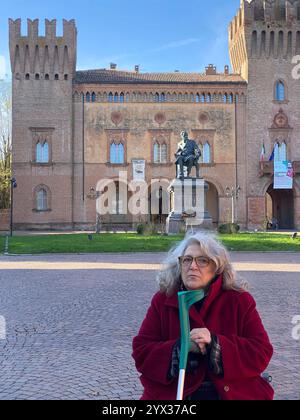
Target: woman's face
{"x":196,"y":276}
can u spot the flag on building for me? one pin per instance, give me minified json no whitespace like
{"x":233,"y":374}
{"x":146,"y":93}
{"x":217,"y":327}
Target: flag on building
{"x":271,"y":158}
{"x":262,"y":153}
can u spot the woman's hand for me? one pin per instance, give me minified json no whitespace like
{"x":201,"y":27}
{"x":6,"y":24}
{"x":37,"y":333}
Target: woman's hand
{"x":202,"y":338}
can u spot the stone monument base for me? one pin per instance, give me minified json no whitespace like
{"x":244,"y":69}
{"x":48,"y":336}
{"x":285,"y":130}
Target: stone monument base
{"x":188,"y":206}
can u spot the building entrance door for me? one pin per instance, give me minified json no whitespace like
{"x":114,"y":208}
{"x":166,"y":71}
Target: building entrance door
{"x":280,"y":207}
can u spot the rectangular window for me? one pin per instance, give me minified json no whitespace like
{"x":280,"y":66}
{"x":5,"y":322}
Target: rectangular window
{"x":160,"y":152}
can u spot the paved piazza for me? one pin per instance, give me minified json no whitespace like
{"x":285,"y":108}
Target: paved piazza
{"x":70,"y":320}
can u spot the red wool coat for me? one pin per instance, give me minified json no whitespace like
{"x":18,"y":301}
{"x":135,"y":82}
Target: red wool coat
{"x":245,"y":346}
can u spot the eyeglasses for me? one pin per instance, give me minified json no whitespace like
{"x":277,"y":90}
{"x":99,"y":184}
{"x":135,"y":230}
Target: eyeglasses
{"x":187,"y":261}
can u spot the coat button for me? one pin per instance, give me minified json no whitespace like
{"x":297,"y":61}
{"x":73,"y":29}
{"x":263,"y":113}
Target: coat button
{"x":226,"y":388}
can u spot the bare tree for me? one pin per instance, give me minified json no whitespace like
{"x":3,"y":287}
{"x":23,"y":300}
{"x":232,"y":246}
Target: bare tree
{"x":5,"y":144}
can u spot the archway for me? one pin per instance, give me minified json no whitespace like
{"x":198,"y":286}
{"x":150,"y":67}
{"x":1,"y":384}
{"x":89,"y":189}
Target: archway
{"x":159,"y":202}
{"x":280,"y":207}
{"x":212,"y":203}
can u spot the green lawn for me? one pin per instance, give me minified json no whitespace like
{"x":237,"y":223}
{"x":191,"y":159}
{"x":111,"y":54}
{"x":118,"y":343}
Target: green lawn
{"x":80,"y":243}
{"x":134,"y":243}
{"x":2,"y":242}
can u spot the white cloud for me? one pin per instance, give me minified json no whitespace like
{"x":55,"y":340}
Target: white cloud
{"x":176,"y":44}
{"x":2,"y":67}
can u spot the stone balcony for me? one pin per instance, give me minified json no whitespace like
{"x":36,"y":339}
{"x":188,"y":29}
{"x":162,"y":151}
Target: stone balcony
{"x":267,"y":168}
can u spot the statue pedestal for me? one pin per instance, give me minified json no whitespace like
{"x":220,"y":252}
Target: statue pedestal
{"x":188,"y":206}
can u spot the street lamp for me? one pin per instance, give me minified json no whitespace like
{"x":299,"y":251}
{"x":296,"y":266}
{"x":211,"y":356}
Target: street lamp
{"x":232,"y":192}
{"x":13,"y":184}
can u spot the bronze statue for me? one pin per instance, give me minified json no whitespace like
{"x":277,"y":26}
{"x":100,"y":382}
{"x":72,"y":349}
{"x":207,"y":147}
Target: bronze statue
{"x":187,"y":155}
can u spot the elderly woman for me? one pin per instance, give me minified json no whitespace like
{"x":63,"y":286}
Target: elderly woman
{"x":229,"y":347}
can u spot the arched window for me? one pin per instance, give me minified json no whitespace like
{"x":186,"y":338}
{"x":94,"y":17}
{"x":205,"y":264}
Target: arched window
{"x":41,"y":200}
{"x":231,"y":98}
{"x":254,"y":43}
{"x":263,"y":43}
{"x":122,"y":97}
{"x":113,"y":153}
{"x":156,"y":150}
{"x":206,"y":153}
{"x":93,"y":97}
{"x":225,"y":97}
{"x":282,"y":152}
{"x":280,"y":42}
{"x":42,"y":152}
{"x":276,"y":153}
{"x":157,"y":97}
{"x":208,"y":97}
{"x":280,"y":11}
{"x":38,"y":152}
{"x":47,"y":76}
{"x":290,"y":43}
{"x":37,"y":76}
{"x":56,"y":77}
{"x":116,"y":153}
{"x":66,"y":77}
{"x":164,"y":150}
{"x":110,"y":97}
{"x":272,"y":42}
{"x":201,"y":157}
{"x":162,"y":97}
{"x":27,"y":76}
{"x":116,"y":97}
{"x":280,"y":91}
{"x":88,"y":97}
{"x":258,"y":12}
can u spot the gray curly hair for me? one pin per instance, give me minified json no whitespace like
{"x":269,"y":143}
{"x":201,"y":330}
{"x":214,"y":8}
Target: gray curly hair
{"x":169,"y":278}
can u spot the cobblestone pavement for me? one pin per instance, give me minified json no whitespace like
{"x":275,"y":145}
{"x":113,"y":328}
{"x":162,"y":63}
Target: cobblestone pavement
{"x":71,"y":318}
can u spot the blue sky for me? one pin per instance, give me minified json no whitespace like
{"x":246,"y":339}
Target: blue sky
{"x":159,"y":35}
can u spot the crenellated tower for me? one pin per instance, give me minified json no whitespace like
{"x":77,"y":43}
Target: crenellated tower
{"x":43,"y":69}
{"x":44,"y":56}
{"x":264,"y":40}
{"x":264,"y":29}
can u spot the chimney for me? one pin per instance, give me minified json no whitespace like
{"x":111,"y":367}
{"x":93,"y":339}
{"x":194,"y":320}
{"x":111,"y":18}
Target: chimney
{"x":113,"y":66}
{"x":137,"y":68}
{"x":211,"y":69}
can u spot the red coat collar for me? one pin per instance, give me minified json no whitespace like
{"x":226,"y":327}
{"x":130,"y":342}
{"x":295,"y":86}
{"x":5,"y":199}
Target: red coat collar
{"x":214,"y":290}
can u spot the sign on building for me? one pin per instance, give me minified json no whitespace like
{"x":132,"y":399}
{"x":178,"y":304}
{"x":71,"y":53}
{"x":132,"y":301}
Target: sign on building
{"x":283,"y":175}
{"x":138,"y":169}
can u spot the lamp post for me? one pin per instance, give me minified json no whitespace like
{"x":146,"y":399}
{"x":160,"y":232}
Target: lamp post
{"x":232,"y":192}
{"x":13,"y":184}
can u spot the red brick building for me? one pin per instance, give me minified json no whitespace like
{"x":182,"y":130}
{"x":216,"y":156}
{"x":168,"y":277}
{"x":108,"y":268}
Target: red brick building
{"x":72,"y":129}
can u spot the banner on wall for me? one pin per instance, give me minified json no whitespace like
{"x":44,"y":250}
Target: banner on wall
{"x":138,"y":169}
{"x":283,"y":175}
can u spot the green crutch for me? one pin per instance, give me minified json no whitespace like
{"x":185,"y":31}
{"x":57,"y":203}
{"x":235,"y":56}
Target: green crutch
{"x":186,"y":300}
